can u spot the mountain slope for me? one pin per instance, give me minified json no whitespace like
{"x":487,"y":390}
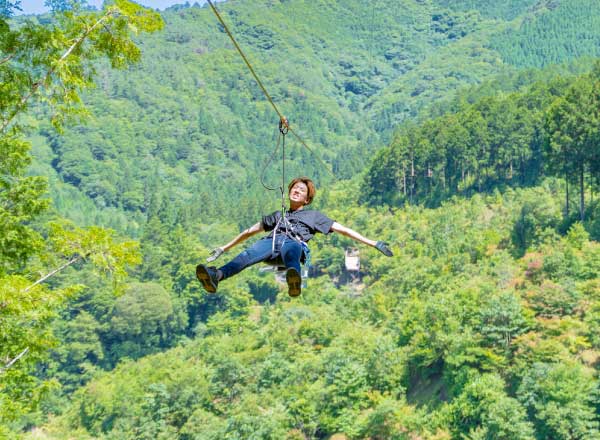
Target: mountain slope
{"x":189,"y":127}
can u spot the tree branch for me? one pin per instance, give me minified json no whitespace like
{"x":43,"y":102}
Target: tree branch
{"x":54,"y":272}
{"x":36,"y":85}
{"x":10,"y":364}
{"x":7,"y":59}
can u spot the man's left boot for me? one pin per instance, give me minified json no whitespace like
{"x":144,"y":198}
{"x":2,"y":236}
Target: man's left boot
{"x":294,"y":282}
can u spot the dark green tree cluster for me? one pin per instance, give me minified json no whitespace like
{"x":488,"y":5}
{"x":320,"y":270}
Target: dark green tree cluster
{"x":552,"y":32}
{"x":517,"y":139}
{"x":564,"y":32}
{"x":574,"y":136}
{"x":508,"y":9}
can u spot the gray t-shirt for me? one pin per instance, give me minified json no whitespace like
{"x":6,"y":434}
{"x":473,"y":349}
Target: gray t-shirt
{"x":304,"y":223}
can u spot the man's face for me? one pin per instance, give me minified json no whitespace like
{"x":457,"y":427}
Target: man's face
{"x":299,"y":193}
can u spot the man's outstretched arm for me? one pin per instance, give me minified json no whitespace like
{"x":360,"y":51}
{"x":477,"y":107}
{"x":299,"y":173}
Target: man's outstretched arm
{"x":379,"y":245}
{"x":242,"y":236}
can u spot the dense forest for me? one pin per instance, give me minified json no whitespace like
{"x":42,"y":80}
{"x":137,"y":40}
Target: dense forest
{"x":464,"y":133}
{"x":191,"y":115}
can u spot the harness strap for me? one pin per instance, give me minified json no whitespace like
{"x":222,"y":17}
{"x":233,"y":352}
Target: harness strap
{"x":289,"y":232}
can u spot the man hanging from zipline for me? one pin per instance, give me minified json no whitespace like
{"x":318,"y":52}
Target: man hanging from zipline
{"x":286,"y":243}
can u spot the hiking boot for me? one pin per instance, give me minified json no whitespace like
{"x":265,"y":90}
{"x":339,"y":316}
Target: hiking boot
{"x":208,"y":276}
{"x":294,"y":282}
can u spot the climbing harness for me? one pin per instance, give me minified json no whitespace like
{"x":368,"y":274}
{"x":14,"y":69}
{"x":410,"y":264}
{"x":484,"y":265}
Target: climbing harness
{"x":283,"y":221}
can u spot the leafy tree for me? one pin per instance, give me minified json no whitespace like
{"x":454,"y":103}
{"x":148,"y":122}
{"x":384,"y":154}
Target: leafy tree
{"x":391,"y":420}
{"x":21,"y":201}
{"x":502,"y":319}
{"x":537,"y":215}
{"x":558,"y":398}
{"x":145,"y":319}
{"x":29,"y":308}
{"x":484,"y":411}
{"x":75,"y":360}
{"x":55,"y":58}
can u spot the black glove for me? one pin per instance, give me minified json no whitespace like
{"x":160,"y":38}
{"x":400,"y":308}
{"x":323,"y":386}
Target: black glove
{"x":214,"y":254}
{"x":384,"y":249}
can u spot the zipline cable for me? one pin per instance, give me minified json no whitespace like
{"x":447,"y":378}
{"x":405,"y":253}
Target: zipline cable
{"x":282,"y":119}
{"x":239,"y":49}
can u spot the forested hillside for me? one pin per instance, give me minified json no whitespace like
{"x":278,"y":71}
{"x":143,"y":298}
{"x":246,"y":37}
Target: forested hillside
{"x":551,"y":128}
{"x":345,"y":74}
{"x":450,"y":133}
{"x":459,"y":334}
{"x":546,"y":35}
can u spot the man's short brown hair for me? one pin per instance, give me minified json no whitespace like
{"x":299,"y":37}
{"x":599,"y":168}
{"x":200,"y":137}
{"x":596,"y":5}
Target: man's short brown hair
{"x":312,"y":191}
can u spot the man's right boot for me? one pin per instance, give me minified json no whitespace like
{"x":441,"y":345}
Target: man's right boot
{"x":208,"y":276}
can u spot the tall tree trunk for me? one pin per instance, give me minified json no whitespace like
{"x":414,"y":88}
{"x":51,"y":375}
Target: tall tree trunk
{"x":428,"y":180}
{"x":581,"y":193}
{"x":567,"y":199}
{"x":591,"y":188}
{"x":444,"y":178}
{"x":522,"y":170}
{"x":412,"y":179}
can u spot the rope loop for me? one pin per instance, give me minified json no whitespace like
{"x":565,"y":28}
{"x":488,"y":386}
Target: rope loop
{"x":284,"y":125}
